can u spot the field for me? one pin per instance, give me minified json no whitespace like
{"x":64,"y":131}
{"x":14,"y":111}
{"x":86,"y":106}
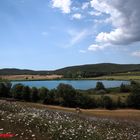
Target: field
{"x":29,"y":121}
{"x":118,"y":77}
{"x":51,"y":77}
{"x":30,"y":77}
{"x":113,"y":96}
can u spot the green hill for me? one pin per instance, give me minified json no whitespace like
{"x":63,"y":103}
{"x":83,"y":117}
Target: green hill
{"x":94,"y":70}
{"x":90,"y":70}
{"x":12,"y":71}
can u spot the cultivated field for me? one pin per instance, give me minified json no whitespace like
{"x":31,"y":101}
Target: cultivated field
{"x":29,"y":121}
{"x":121,"y":76}
{"x":30,"y":77}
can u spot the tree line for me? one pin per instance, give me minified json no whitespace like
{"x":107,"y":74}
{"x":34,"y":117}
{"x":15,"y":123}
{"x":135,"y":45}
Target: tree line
{"x":66,"y":95}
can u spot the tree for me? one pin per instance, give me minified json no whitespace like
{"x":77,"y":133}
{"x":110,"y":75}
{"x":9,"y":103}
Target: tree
{"x":68,"y":74}
{"x":85,"y":101}
{"x":5,"y":89}
{"x":17,"y":91}
{"x":68,"y":93}
{"x":43,"y":91}
{"x":100,"y":86}
{"x":124,"y":88}
{"x":8,"y":86}
{"x":106,"y":102}
{"x":133,"y":99}
{"x":51,"y":97}
{"x":34,"y":94}
{"x":2,"y":90}
{"x":26,"y":93}
{"x":120,"y":103}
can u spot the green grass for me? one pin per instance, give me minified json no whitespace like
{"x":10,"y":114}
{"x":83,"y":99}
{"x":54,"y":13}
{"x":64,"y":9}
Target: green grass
{"x":136,"y":73}
{"x":115,"y":97}
{"x":114,"y":93}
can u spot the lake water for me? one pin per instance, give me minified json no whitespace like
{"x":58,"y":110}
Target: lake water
{"x":77,"y":84}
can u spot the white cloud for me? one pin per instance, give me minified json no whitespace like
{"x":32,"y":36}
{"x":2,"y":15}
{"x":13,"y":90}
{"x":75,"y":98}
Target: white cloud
{"x":96,"y":47}
{"x":85,"y":5}
{"x":77,"y":16}
{"x":100,"y":5}
{"x":64,"y":5}
{"x":124,"y":17}
{"x":110,"y":37}
{"x":136,"y":53}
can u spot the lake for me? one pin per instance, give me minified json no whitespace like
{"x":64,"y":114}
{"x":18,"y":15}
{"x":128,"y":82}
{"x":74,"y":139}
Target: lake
{"x":77,"y":84}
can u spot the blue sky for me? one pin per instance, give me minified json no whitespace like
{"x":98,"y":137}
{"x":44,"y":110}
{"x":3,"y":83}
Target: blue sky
{"x":51,"y":34}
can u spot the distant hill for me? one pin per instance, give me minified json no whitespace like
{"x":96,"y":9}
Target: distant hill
{"x":93,"y":70}
{"x":90,"y":70}
{"x":12,"y":71}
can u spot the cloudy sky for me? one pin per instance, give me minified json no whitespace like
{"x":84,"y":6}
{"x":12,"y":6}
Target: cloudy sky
{"x":51,"y":34}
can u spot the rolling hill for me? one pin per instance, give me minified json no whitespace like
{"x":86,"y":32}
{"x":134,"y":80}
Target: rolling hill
{"x":13,"y":71}
{"x":93,"y":70}
{"x":90,"y":70}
